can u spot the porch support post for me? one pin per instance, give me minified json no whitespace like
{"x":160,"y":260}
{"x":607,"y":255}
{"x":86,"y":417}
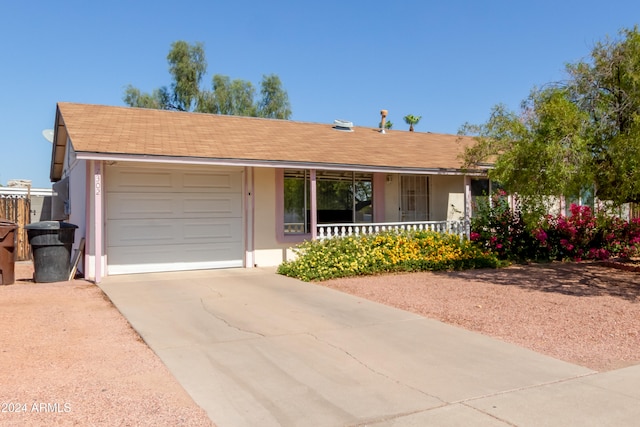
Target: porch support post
{"x":467,"y":205}
{"x":314,"y":205}
{"x":490,"y":193}
{"x":98,"y":224}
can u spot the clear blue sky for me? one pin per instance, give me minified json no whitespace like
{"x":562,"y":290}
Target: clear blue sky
{"x":448,"y":61}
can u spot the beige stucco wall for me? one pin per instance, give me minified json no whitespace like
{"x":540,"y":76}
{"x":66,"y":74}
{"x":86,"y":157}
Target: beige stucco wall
{"x":447,"y":197}
{"x":267,"y":250}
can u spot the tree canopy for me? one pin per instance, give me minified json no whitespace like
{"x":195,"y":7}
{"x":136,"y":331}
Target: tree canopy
{"x":580,"y":135}
{"x":188,"y":66}
{"x":274,"y":103}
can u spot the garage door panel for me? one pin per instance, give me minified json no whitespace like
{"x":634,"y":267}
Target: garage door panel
{"x":212,"y":182}
{"x":152,"y":180}
{"x":223,"y":231}
{"x":228,"y":205}
{"x":141,"y":180}
{"x":159,"y":205}
{"x":173,"y":258}
{"x":175,"y":253}
{"x":126,"y":205}
{"x":142,"y":233}
{"x":173,"y":232}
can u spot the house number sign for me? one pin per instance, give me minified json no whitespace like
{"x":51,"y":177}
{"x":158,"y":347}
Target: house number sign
{"x":98,"y":185}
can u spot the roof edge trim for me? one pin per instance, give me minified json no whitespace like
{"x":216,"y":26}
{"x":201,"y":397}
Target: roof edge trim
{"x":270,"y":164}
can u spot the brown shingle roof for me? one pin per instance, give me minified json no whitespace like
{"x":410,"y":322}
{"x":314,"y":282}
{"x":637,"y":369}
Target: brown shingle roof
{"x":134,"y":131}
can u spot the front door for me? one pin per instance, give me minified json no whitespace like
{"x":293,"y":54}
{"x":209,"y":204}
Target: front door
{"x":414,"y":198}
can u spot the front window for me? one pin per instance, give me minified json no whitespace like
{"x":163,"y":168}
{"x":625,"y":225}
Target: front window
{"x":296,"y":200}
{"x":341,"y":197}
{"x":480,"y":193}
{"x":484,"y":193}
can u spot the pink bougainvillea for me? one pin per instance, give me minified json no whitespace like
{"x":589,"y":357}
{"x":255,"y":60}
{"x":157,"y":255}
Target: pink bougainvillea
{"x":583,"y":234}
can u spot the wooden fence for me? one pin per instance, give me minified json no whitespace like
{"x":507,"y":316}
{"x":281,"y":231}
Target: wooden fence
{"x":18,"y":209}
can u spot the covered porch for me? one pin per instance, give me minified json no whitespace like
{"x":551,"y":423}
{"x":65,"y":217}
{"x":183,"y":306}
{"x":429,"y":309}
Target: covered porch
{"x":321,"y":204}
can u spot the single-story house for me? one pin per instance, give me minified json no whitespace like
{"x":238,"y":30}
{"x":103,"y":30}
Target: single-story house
{"x":156,"y":190}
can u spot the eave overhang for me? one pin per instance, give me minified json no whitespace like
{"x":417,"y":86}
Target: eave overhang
{"x":58,"y":149}
{"x":115,"y":157}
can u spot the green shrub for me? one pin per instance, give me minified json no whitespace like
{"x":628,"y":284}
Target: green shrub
{"x":385,"y":252}
{"x":521,"y":234}
{"x":507,"y":231}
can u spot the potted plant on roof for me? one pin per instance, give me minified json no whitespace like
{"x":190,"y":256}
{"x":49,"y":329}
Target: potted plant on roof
{"x":411,"y":120}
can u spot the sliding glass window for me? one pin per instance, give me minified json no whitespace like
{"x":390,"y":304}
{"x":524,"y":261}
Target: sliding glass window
{"x":342,"y":197}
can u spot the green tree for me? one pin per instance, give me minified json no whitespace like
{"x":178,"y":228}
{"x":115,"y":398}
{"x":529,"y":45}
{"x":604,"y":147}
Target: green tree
{"x":188,"y":66}
{"x":159,"y":99}
{"x":233,"y":97}
{"x":539,"y":151}
{"x":607,"y":88}
{"x":411,"y":120}
{"x":275,"y":100}
{"x":573,"y":137}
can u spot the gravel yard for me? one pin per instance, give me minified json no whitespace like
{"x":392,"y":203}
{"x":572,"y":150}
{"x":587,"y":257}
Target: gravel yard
{"x":70,"y":358}
{"x":585,"y":313}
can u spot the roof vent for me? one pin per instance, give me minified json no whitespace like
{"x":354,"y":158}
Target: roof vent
{"x":343,"y":125}
{"x":383,"y":114}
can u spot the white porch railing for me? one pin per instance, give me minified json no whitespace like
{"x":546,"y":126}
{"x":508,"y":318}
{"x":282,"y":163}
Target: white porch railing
{"x":326,"y":231}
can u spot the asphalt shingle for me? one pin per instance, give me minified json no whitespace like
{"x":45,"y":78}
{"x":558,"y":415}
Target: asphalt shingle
{"x":134,"y":131}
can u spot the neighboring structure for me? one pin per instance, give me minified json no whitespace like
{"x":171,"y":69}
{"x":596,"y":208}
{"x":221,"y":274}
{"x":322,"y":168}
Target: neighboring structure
{"x":155,"y":190}
{"x":23,"y":205}
{"x":40,"y":198}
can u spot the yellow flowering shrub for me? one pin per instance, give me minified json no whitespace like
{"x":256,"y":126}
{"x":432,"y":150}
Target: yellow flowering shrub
{"x":385,"y":252}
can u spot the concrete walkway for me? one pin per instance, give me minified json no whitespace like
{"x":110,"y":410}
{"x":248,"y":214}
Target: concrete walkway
{"x":257,"y":349}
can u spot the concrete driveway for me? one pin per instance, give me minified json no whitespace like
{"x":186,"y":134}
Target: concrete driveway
{"x":257,"y":349}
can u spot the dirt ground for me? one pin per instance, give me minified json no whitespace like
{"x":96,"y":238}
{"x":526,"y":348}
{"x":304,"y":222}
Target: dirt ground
{"x":69,"y":358}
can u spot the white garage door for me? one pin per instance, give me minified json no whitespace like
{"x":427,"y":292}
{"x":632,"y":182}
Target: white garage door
{"x":169,"y":219}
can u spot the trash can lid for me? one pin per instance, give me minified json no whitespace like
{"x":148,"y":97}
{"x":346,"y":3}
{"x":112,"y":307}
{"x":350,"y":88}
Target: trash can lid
{"x":49,"y":225}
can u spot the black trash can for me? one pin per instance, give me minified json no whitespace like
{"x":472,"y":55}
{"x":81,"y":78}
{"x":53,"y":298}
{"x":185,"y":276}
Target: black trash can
{"x":8,"y":238}
{"x":51,"y":243}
